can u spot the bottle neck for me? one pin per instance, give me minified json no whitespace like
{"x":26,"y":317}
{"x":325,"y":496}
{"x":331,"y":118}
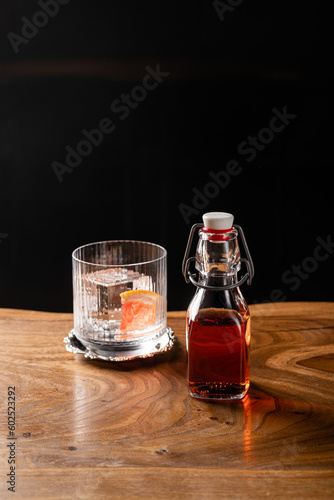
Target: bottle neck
{"x":218,"y":255}
{"x":215,"y":280}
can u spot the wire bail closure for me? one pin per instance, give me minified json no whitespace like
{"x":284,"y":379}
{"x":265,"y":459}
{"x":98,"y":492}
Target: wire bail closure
{"x":191,"y":277}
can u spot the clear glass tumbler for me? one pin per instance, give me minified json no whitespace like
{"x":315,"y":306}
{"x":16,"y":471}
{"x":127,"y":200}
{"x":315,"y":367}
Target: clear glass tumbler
{"x":119,"y":296}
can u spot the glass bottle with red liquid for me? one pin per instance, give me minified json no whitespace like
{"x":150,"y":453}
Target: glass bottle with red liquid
{"x":218,"y":319}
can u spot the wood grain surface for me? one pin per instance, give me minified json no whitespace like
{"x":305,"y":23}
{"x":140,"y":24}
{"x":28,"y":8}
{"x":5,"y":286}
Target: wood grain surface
{"x":93,"y":429}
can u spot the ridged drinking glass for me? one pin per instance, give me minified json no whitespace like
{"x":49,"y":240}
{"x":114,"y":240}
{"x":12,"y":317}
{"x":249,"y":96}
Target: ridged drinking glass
{"x":119,"y":295}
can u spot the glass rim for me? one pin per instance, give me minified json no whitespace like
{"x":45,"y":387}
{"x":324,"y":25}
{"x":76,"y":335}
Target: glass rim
{"x":74,"y":258}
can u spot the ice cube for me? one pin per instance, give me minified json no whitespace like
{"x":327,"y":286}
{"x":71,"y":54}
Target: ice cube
{"x":101,"y":295}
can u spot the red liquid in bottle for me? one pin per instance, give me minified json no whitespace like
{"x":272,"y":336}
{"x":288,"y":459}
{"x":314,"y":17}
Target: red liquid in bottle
{"x":218,"y":354}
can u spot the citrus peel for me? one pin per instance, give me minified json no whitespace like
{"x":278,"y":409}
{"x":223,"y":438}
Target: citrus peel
{"x":139,"y":308}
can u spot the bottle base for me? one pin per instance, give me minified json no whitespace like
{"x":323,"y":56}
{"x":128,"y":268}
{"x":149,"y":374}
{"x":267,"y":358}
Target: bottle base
{"x":218,"y":391}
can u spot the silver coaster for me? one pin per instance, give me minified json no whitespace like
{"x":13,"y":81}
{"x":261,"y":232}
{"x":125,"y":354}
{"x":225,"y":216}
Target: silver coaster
{"x":146,"y":350}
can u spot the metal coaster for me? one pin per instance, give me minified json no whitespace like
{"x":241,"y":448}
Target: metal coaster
{"x":146,"y":350}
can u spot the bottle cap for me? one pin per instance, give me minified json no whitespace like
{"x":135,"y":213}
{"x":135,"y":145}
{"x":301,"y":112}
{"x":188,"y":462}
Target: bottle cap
{"x":218,"y":221}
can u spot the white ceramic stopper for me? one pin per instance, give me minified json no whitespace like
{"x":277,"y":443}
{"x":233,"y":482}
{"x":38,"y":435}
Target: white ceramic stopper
{"x":218,"y":220}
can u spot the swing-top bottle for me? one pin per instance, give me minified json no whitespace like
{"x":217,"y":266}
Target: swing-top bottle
{"x":218,"y":319}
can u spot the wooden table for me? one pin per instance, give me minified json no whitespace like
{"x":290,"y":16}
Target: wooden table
{"x":90,"y":429}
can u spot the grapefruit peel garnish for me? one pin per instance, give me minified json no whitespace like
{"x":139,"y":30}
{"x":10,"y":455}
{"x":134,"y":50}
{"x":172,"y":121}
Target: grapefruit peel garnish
{"x":139,"y":310}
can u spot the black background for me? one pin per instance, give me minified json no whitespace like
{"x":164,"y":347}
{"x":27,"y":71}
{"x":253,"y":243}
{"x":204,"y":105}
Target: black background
{"x":225,"y":77}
